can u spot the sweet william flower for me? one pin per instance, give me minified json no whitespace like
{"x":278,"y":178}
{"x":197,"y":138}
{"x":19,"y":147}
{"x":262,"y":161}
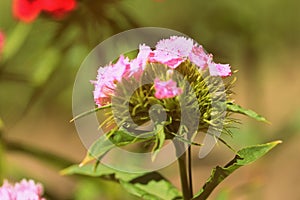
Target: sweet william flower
{"x":170,"y":52}
{"x":166,"y":89}
{"x":107,"y":78}
{"x":29,"y":10}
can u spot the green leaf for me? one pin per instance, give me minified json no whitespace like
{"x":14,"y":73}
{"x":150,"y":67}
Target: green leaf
{"x":149,"y":186}
{"x":250,"y":113}
{"x":105,"y":143}
{"x":100,"y":171}
{"x":244,"y":157}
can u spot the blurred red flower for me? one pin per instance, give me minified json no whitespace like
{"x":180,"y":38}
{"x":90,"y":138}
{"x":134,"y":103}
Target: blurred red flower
{"x":58,"y":8}
{"x":28,"y":10}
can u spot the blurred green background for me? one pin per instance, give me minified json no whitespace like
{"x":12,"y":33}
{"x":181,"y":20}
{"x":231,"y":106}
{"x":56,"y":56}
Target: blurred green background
{"x":260,"y":39}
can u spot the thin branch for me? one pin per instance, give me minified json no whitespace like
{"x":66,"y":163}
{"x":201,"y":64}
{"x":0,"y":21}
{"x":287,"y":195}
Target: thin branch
{"x":36,"y":152}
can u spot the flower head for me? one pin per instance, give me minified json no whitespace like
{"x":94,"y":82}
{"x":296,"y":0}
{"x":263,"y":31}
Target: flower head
{"x":171,"y":52}
{"x":166,"y":89}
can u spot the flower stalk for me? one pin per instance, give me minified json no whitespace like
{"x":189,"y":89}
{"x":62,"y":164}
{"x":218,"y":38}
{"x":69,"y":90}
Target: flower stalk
{"x":183,"y":170}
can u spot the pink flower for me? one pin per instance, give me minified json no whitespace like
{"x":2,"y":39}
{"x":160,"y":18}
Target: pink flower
{"x":104,"y":85}
{"x":204,"y":61}
{"x":173,"y":51}
{"x":138,"y":64}
{"x":217,"y":69}
{"x":28,"y":190}
{"x":166,"y":89}
{"x":107,"y":78}
{"x":120,"y":68}
{"x":25,"y":190}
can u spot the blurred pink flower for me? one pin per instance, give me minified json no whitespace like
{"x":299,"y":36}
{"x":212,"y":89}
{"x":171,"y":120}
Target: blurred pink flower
{"x":24,"y":190}
{"x":7,"y":191}
{"x":166,"y":89}
{"x":172,"y":51}
{"x":2,"y":40}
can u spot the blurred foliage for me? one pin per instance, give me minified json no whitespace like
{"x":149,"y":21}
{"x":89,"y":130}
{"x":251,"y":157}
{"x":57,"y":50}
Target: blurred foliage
{"x":40,"y":60}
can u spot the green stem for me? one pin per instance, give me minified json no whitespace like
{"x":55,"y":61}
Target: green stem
{"x":183,"y":170}
{"x":190,"y":171}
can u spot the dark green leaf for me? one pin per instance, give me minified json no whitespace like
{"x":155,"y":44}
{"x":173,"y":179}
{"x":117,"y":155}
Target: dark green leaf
{"x":244,"y":157}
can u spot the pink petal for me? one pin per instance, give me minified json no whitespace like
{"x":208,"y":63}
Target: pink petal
{"x":178,"y":46}
{"x":199,"y":57}
{"x":217,"y":69}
